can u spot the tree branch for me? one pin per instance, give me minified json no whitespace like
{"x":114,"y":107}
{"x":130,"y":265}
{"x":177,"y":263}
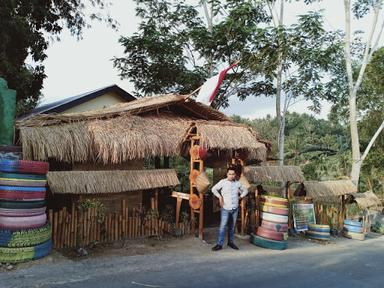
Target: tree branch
{"x":372,"y":141}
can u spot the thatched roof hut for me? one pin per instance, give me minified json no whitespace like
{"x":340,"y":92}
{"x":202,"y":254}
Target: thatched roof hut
{"x":113,"y":181}
{"x":147,"y":127}
{"x":329,"y":191}
{"x":367,"y":200}
{"x":273,"y":173}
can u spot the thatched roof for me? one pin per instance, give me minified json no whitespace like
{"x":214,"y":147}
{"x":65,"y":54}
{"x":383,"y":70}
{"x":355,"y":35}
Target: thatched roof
{"x":148,"y":127}
{"x":114,"y":181}
{"x":329,"y":191}
{"x":367,"y":200}
{"x":273,"y":173}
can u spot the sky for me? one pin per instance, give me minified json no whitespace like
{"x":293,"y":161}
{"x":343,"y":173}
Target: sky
{"x":74,"y":67}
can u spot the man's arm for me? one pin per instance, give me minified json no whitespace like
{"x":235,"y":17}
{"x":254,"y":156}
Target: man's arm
{"x":216,"y":188}
{"x":243,"y":190}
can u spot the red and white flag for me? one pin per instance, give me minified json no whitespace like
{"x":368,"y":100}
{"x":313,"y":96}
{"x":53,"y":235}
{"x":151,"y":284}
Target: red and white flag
{"x":209,"y":89}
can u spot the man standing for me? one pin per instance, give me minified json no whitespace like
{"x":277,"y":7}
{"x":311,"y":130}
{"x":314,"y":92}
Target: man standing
{"x":228,"y":190}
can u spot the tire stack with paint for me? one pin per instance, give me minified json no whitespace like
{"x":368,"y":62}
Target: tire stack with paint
{"x":272,"y":233}
{"x":353,"y":230}
{"x":319,"y":232}
{"x":24,"y":231}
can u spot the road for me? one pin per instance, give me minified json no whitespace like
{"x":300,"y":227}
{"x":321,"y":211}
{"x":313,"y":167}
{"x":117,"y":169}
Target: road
{"x":190,"y":263}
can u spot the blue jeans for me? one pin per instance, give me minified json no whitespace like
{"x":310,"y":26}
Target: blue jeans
{"x":227,"y":217}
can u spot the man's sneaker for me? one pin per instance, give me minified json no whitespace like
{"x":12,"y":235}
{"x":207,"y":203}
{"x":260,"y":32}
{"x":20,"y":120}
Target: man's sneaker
{"x":217,"y":247}
{"x":233,"y":246}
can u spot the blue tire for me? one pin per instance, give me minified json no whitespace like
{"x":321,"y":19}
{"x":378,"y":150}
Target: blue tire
{"x":353,"y":223}
{"x":268,"y":243}
{"x":355,"y":229}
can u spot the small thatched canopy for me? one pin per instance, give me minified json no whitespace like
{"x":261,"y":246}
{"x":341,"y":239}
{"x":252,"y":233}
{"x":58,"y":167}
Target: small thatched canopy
{"x":148,"y":127}
{"x":367,"y":200}
{"x":114,"y":181}
{"x":329,"y":191}
{"x":273,"y":173}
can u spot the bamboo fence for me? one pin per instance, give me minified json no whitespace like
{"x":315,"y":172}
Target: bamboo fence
{"x":82,"y":227}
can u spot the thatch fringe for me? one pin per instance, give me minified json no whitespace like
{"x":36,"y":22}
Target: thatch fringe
{"x":367,"y":200}
{"x":115,"y":181}
{"x":329,"y":191}
{"x":257,"y":174}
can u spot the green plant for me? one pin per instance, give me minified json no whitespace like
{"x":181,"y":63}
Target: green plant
{"x":93,"y":203}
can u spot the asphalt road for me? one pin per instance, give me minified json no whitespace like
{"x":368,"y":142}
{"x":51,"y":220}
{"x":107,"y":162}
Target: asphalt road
{"x":190,"y":263}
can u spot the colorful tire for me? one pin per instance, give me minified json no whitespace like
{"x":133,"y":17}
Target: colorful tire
{"x":15,"y":255}
{"x":23,"y":176}
{"x":319,"y":228}
{"x":19,"y":223}
{"x":274,"y":210}
{"x":324,"y":236}
{"x":274,"y":217}
{"x":22,"y":204}
{"x":270,"y":234}
{"x":274,"y":200}
{"x":267,"y":243}
{"x":22,"y":212}
{"x":355,"y":236}
{"x":24,"y":166}
{"x":22,"y":182}
{"x":353,"y":223}
{"x":25,"y":238}
{"x":20,"y":196}
{"x":355,"y":229}
{"x":279,"y":227}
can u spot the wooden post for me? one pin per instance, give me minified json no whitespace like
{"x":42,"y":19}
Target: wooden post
{"x":178,"y":206}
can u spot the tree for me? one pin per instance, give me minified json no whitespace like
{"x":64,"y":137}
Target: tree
{"x":360,"y":9}
{"x":26,"y":27}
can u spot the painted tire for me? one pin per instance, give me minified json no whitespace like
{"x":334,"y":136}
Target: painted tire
{"x":352,"y":235}
{"x":22,"y":212}
{"x":274,"y":217}
{"x":267,"y":243}
{"x":25,"y":238}
{"x":279,"y":227}
{"x":319,"y":228}
{"x":24,"y":166}
{"x":15,"y":255}
{"x":274,"y":200}
{"x":318,"y":235}
{"x":353,"y":223}
{"x":23,"y":176}
{"x":273,"y":205}
{"x":20,"y":196}
{"x":354,"y":229}
{"x":275,"y":210}
{"x":22,"y":182}
{"x":270,"y":234}
{"x":19,"y":223}
{"x":22,"y":204}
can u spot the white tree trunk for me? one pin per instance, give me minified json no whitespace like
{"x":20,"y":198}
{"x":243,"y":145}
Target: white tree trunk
{"x":354,"y":87}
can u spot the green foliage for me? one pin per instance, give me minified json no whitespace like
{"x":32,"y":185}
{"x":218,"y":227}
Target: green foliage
{"x":94,"y":203}
{"x":26,"y":29}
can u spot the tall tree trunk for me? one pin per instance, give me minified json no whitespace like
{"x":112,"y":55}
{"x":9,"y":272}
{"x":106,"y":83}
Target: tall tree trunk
{"x":279,"y":116}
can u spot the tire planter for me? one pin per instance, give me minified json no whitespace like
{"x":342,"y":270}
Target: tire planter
{"x":319,"y":228}
{"x":274,"y":200}
{"x":24,"y":166}
{"x":354,"y":229}
{"x":270,"y":234}
{"x":21,"y":193}
{"x":25,"y":238}
{"x":324,"y":236}
{"x":353,"y":223}
{"x":274,"y":217}
{"x":275,"y":210}
{"x":22,"y":204}
{"x":15,"y":255}
{"x":23,"y":176}
{"x":267,"y":243}
{"x":352,"y":235}
{"x":279,"y":227}
{"x":22,"y":182}
{"x":22,"y":212}
{"x":18,"y":223}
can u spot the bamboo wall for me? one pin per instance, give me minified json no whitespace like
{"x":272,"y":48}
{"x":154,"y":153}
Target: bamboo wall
{"x":79,"y":228}
{"x":329,"y":215}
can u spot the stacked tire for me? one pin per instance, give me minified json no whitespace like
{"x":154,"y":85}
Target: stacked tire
{"x":24,"y":231}
{"x":353,"y":229}
{"x":272,"y":233}
{"x":319,"y":232}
